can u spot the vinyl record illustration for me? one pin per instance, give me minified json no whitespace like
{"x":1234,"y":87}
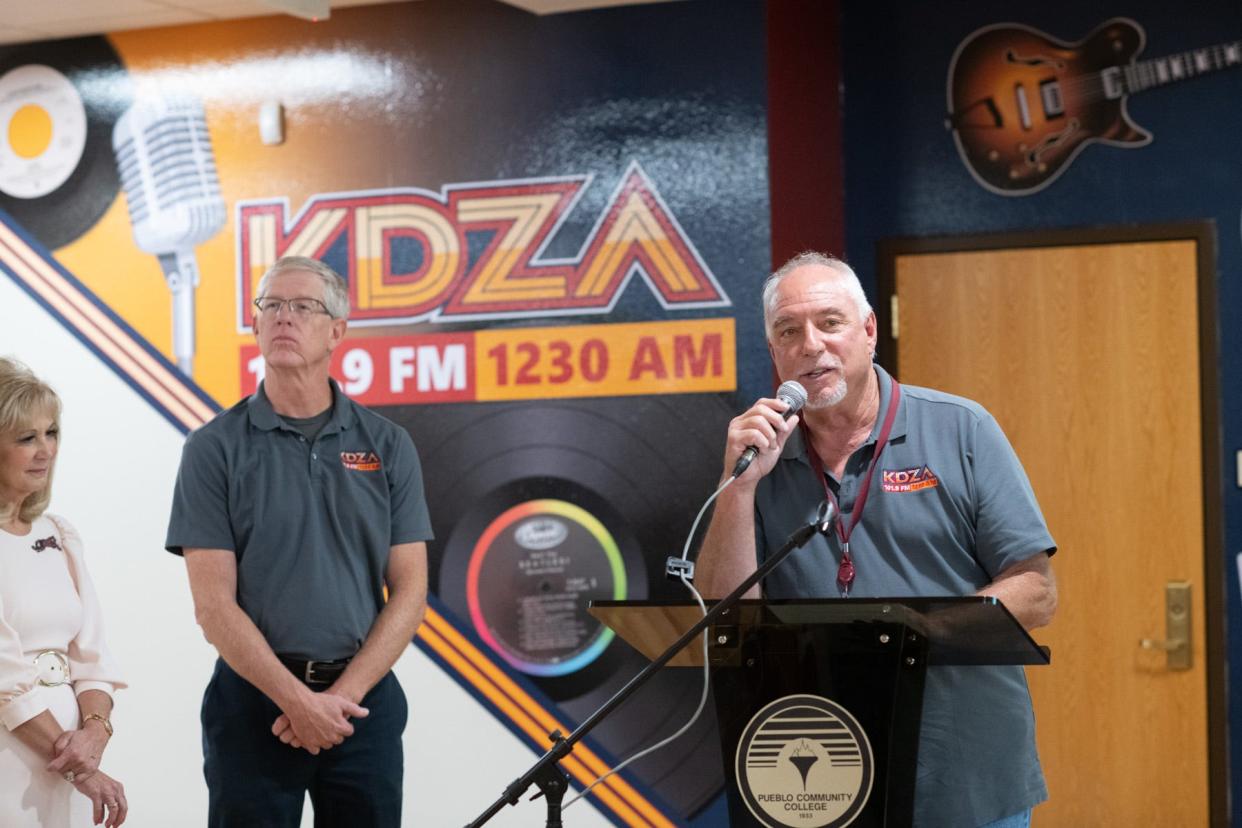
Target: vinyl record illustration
{"x":533,"y":553}
{"x":531,"y":575}
{"x":58,"y":104}
{"x":539,"y":508}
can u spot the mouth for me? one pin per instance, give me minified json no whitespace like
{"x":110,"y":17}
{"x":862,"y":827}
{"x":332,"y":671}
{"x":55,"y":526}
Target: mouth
{"x":818,"y":373}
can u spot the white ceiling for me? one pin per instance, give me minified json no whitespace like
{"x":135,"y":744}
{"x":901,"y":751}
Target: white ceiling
{"x":26,"y":20}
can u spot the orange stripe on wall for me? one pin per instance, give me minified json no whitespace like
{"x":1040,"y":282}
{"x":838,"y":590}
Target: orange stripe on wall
{"x":532,"y":718}
{"x":545,"y":719}
{"x":571,"y":764}
{"x":170,"y":390}
{"x":114,"y":351}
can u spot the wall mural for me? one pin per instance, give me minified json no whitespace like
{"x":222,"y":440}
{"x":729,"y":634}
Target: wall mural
{"x":552,"y":302}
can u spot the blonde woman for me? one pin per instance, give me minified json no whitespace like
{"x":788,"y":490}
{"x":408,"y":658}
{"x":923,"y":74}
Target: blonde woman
{"x":56,"y":675}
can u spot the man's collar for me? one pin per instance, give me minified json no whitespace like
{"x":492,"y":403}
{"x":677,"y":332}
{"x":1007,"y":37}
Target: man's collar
{"x":265,"y":418}
{"x":795,"y":448}
{"x":886,"y":394}
{"x":262,"y":415}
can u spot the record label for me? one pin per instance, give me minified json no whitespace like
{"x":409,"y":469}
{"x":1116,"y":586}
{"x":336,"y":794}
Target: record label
{"x":44,"y":130}
{"x":532,"y":573}
{"x":59,"y":101}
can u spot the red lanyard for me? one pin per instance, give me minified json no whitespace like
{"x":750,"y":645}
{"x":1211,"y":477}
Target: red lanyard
{"x":845,"y":570}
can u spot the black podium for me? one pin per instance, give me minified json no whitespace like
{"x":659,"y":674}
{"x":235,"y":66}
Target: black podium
{"x":819,"y":701}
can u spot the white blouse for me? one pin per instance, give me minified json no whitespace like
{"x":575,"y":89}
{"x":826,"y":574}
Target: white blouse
{"x":47,"y":602}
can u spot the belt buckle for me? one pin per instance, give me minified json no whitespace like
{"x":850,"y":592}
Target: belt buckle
{"x":53,"y":663}
{"x":308,"y":674}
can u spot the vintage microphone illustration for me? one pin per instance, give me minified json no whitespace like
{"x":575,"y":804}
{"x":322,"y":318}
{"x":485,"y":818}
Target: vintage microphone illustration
{"x":163,"y":152}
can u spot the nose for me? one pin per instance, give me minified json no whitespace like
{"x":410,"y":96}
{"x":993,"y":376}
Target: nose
{"x":811,"y":345}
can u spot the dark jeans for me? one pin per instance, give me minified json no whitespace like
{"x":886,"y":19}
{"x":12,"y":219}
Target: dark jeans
{"x":255,"y":781}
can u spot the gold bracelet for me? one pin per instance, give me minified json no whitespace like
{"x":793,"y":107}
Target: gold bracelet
{"x":103,"y":720}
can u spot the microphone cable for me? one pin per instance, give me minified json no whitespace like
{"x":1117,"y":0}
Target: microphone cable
{"x":682,"y":574}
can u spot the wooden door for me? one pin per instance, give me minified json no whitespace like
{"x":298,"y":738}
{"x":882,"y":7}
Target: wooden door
{"x":1089,"y":356}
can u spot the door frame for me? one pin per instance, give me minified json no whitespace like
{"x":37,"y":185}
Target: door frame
{"x":1203,"y":233}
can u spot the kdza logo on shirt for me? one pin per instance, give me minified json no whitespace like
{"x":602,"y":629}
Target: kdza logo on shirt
{"x":908,"y":480}
{"x":360,"y":460}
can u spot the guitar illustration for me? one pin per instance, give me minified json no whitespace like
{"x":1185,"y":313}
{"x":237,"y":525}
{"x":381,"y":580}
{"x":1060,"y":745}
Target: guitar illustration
{"x":1022,"y":105}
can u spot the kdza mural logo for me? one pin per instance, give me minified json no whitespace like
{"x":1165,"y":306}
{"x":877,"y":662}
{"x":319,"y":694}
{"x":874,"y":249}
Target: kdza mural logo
{"x":410,"y":261}
{"x":635,"y":235}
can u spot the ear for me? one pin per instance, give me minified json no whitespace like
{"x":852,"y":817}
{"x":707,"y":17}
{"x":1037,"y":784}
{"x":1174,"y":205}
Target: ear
{"x":872,"y":330}
{"x":336,"y":333}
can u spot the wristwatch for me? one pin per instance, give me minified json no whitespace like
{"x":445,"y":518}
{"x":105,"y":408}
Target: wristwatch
{"x":103,"y":720}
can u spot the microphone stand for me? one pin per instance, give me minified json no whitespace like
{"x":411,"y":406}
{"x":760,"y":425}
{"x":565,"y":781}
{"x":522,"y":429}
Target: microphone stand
{"x":547,"y":775}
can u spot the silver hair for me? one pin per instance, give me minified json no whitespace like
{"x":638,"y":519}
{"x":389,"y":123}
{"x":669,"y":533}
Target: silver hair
{"x":335,"y":291}
{"x":852,"y":286}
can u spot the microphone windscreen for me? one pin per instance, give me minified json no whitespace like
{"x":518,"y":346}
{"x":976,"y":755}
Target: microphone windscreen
{"x":793,"y":393}
{"x":168,"y":169}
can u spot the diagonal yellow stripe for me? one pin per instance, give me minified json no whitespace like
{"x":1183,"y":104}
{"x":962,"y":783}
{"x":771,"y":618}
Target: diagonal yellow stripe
{"x":505,"y":685}
{"x":101,"y":330}
{"x":528,"y":725}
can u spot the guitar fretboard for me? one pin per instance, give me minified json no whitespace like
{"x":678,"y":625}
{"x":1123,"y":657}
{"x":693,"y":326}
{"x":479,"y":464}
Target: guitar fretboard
{"x":1171,"y":68}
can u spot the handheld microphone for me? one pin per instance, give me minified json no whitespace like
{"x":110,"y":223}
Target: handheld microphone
{"x":792,"y":394}
{"x":163,"y":152}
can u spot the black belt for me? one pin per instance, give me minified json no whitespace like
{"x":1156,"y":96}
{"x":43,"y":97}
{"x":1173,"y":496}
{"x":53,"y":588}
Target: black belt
{"x":315,"y":672}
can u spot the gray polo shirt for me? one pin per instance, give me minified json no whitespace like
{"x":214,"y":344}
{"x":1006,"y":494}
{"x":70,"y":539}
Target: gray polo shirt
{"x":311,"y":522}
{"x":949,"y":508}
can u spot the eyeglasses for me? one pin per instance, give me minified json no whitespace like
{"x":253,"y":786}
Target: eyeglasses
{"x":302,"y":307}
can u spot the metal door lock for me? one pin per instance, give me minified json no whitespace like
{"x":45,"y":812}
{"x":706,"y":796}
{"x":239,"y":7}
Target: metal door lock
{"x":1176,"y":643}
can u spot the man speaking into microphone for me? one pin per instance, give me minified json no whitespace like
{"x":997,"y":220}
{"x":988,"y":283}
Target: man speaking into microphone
{"x":932,"y":501}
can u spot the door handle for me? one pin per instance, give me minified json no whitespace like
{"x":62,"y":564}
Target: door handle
{"x":1176,"y":643}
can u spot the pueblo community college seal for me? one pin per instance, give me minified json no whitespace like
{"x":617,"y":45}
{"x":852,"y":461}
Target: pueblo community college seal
{"x":804,"y":762}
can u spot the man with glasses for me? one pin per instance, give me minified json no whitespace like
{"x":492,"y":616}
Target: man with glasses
{"x":294,"y":510}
